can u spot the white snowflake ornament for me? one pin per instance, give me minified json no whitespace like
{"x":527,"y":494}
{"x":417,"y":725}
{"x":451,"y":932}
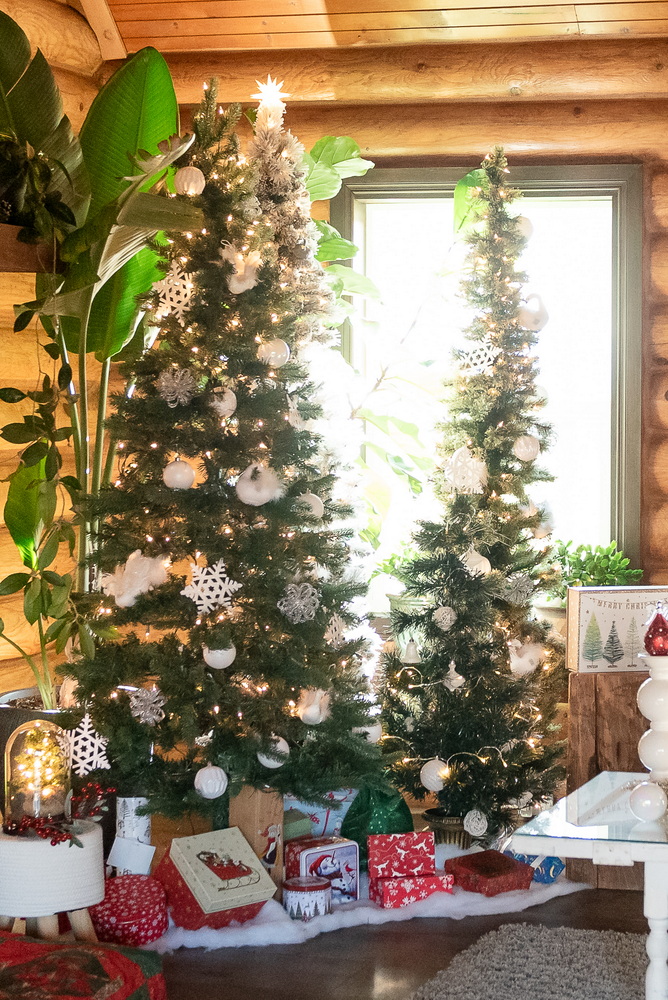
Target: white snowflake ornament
{"x":87,"y":749}
{"x":146,"y":705}
{"x":464,"y":472}
{"x":177,"y":386}
{"x":445,"y":618}
{"x":174,"y":293}
{"x":479,"y":360}
{"x":211,"y":587}
{"x":299,"y":603}
{"x":335,"y":632}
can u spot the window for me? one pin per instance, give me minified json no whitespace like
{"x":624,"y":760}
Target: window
{"x":583,"y":259}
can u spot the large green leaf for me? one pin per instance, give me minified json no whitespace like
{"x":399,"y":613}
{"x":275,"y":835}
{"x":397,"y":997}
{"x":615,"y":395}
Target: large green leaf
{"x":115,"y":312}
{"x":348,"y":282}
{"x":332,"y":246}
{"x":136,"y":109}
{"x":23,"y":513}
{"x":342,"y":154}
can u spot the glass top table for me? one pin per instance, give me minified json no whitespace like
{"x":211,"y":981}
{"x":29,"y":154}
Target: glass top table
{"x":596,"y":822}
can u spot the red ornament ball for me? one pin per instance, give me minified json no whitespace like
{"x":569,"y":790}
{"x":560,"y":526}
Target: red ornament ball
{"x":656,"y":636}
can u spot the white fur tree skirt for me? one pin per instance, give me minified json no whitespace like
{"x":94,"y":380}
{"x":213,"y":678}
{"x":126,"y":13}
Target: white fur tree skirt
{"x":272,"y":925}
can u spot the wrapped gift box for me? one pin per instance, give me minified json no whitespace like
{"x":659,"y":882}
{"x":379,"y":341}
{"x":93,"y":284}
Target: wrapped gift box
{"x":489,"y":872}
{"x":187,"y":912}
{"x":133,"y":911}
{"x":398,"y":854}
{"x":545,"y":870}
{"x":325,"y":821}
{"x":391,"y":893}
{"x":296,"y":824}
{"x":333,"y":858}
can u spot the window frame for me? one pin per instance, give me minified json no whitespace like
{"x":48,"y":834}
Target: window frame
{"x":623,"y":184}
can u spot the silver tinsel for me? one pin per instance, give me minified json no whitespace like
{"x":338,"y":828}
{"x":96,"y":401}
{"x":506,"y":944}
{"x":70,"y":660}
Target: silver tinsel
{"x":518,"y":588}
{"x":177,"y":386}
{"x":299,"y":603}
{"x":146,"y":705}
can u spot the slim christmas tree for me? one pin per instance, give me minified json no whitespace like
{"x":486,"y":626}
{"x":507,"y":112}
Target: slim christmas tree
{"x":225,"y":560}
{"x":468,"y":706}
{"x":613,"y":651}
{"x":593,"y":644}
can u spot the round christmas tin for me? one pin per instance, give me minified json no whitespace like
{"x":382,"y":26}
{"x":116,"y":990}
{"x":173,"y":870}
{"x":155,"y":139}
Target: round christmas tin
{"x":307,"y":896}
{"x":133,"y":911}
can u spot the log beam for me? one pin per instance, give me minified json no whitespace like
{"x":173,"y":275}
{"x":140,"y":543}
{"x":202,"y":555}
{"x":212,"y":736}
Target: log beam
{"x":64,"y":36}
{"x":578,"y":69}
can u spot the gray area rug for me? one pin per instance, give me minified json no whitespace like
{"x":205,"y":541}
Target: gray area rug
{"x":526,"y":962}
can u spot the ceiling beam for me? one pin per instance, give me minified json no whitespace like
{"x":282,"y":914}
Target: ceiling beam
{"x":577,"y":69}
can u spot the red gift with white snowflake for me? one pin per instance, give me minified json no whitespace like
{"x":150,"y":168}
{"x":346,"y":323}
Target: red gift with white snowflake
{"x":398,"y":854}
{"x":133,"y":911}
{"x":391,"y":893}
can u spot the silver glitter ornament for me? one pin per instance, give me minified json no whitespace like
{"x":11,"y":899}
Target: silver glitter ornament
{"x":445,"y":618}
{"x":177,"y":386}
{"x":146,"y":705}
{"x":518,"y":588}
{"x":299,"y":603}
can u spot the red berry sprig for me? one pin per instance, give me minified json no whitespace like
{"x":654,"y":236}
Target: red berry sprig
{"x":46,"y":828}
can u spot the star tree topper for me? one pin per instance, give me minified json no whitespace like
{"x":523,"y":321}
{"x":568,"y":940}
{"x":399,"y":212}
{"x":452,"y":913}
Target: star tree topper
{"x":211,"y":587}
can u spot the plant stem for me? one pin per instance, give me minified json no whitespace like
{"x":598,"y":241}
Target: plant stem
{"x":99,"y":430}
{"x":46,"y":685}
{"x":83,"y":469}
{"x":74,"y":408}
{"x":109,"y":461}
{"x":46,"y":694}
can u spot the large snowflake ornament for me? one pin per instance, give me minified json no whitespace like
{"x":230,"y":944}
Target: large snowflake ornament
{"x":177,"y":386}
{"x":174,"y":292}
{"x":479,"y":360}
{"x":335,"y":632}
{"x":87,"y":749}
{"x":464,"y":472}
{"x":146,"y":705}
{"x":211,"y":587}
{"x":299,"y":603}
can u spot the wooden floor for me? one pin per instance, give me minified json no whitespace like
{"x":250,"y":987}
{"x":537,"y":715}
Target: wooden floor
{"x":385,"y":962}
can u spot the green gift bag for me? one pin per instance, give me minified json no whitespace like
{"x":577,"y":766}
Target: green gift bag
{"x":376,"y":810}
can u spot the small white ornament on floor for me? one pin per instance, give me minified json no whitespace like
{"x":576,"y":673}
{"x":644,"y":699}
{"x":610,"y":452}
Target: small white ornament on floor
{"x":178,"y":475}
{"x":274,"y":353}
{"x":211,"y":587}
{"x":224,"y":402}
{"x":189,"y":181}
{"x":279,"y":746}
{"x":524,"y":657}
{"x":138,"y":575}
{"x":533,"y":317}
{"x":476,"y":563}
{"x":433,"y":774}
{"x":88,"y":750}
{"x":475,"y":823}
{"x":219,"y":659}
{"x":313,"y":706}
{"x":211,"y":782}
{"x":526,"y":448}
{"x":146,"y":705}
{"x":464,"y":472}
{"x":452,"y":680}
{"x":174,"y":293}
{"x":445,"y":618}
{"x":177,"y":386}
{"x":258,"y":484}
{"x":299,"y":603}
{"x":313,"y":501}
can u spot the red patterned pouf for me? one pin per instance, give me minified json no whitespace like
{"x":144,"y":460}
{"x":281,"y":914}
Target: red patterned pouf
{"x":489,"y":872}
{"x":133,"y":911}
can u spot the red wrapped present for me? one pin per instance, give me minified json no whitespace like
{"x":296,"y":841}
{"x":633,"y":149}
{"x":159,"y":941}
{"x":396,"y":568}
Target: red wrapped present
{"x":187,"y":912}
{"x":489,"y":872}
{"x":133,"y":911}
{"x":397,"y":854}
{"x":391,"y":893}
{"x":333,"y":858}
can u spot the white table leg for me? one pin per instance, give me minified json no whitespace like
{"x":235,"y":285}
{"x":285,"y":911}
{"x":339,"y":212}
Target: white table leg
{"x":656,"y":911}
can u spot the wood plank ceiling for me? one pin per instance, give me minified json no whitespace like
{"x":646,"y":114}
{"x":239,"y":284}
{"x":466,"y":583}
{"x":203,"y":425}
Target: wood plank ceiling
{"x":218,"y":25}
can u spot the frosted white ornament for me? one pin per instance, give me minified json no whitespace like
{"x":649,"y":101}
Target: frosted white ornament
{"x":224,"y":402}
{"x":524,"y":227}
{"x":445,"y":618}
{"x":433,"y":774}
{"x":412,"y":653}
{"x":189,"y":180}
{"x":275,"y":353}
{"x":476,"y":564}
{"x":533,"y":318}
{"x":475,"y":823}
{"x":138,"y":575}
{"x":648,"y":801}
{"x":258,"y":484}
{"x":524,"y":657}
{"x":218,"y":659}
{"x":178,"y":475}
{"x":526,"y":448}
{"x":452,"y":680}
{"x":279,"y":745}
{"x":211,"y":782}
{"x":373,"y":732}
{"x":313,"y":706}
{"x":464,"y":472}
{"x":314,"y":502}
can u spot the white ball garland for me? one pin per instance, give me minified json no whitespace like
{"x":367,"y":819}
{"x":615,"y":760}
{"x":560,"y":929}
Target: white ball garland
{"x":275,"y":353}
{"x":279,"y":745}
{"x":189,"y":180}
{"x":218,"y":659}
{"x":178,"y":475}
{"x":433,"y":774}
{"x":211,"y":782}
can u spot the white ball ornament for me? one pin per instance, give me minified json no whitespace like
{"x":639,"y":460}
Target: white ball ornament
{"x":313,"y":501}
{"x":224,"y":402}
{"x":218,"y":659}
{"x":275,"y":353}
{"x":211,"y":782}
{"x":648,"y":802}
{"x":433,"y":774}
{"x":372,"y":732}
{"x":189,"y":180}
{"x":279,"y":745}
{"x":526,"y":448}
{"x":257,"y":485}
{"x":313,"y":706}
{"x":178,"y":475}
{"x":444,"y":617}
{"x":524,"y":227}
{"x":533,"y":317}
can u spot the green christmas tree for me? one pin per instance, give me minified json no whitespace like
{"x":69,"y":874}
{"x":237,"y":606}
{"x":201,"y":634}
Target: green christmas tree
{"x":469,"y":714}
{"x":633,"y":644}
{"x":592,"y":646}
{"x":225,"y":560}
{"x":613,"y":651}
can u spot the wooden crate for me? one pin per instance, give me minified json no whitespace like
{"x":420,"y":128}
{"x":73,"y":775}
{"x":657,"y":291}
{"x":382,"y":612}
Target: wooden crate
{"x":604,"y":728}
